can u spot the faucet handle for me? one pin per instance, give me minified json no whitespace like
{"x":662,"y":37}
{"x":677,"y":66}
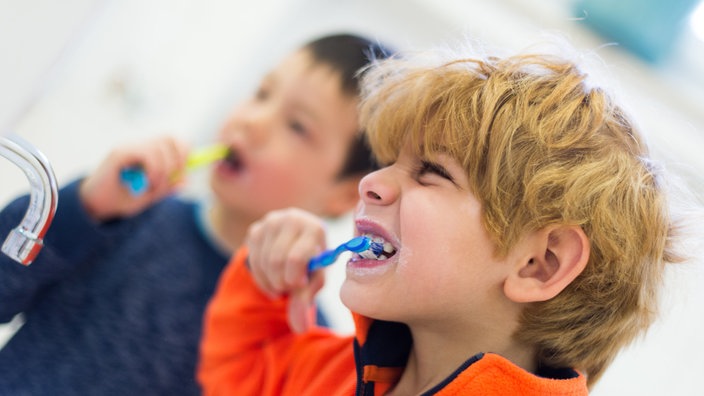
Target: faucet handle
{"x":22,"y":246}
{"x":25,"y":241}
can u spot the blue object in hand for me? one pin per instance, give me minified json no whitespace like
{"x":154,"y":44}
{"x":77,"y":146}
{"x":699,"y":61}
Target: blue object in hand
{"x":355,"y":245}
{"x":358,"y":244}
{"x":134,"y":179}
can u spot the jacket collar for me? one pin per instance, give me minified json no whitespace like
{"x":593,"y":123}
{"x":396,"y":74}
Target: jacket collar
{"x":381,"y":351}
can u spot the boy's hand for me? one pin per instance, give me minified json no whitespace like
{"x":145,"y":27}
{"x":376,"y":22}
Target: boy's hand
{"x":162,"y":159}
{"x":280,"y":246}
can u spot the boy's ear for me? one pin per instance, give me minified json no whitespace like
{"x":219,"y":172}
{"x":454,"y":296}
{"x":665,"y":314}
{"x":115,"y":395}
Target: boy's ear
{"x":342,"y":197}
{"x":554,"y":257}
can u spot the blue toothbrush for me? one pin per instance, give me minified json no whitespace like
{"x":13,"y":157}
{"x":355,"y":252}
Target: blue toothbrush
{"x":134,"y":179}
{"x":356,"y":245}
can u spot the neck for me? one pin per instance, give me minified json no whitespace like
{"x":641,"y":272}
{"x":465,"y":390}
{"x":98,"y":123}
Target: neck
{"x":437,"y":354}
{"x":227,"y":227}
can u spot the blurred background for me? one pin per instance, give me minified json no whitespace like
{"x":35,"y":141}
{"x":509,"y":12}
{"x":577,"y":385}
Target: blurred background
{"x":80,"y":76}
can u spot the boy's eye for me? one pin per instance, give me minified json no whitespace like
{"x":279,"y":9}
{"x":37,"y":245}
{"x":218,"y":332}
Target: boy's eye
{"x":261,"y":94}
{"x":429,"y":169}
{"x":298,"y":128}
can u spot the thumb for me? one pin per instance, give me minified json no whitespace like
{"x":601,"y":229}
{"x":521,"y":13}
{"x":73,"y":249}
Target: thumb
{"x":301,"y":309}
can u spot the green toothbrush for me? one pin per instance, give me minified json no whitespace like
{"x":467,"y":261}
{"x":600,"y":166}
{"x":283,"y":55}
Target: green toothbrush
{"x":134,"y":178}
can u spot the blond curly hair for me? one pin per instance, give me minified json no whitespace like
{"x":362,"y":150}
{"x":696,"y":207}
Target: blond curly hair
{"x":540,"y":146}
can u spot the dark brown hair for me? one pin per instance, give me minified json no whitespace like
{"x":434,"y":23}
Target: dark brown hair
{"x":349,"y":55}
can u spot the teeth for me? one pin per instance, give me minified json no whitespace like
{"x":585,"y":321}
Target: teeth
{"x":368,"y":254}
{"x":380,"y":249}
{"x":388,"y":248}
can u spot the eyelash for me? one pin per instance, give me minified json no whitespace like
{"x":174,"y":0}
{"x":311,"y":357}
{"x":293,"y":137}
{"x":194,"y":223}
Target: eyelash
{"x":261,"y":94}
{"x":429,"y":167}
{"x":298,"y":128}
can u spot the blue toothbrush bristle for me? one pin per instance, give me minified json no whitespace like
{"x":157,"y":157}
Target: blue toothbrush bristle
{"x":361,"y":245}
{"x":377,"y":248}
{"x":374,"y":251}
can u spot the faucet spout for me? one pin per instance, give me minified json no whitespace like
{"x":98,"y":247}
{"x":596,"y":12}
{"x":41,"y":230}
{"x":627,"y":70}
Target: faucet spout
{"x":25,"y":241}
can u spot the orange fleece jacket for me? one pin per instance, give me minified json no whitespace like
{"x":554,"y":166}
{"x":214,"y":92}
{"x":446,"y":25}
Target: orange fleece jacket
{"x":248,"y":349}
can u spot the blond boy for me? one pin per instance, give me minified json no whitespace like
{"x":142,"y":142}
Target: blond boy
{"x":528,"y":231}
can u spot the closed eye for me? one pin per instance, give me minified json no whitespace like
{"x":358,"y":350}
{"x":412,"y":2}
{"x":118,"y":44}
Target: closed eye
{"x":427,"y":168}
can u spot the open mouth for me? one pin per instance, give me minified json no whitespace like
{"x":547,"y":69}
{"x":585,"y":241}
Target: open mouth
{"x":233,"y":160}
{"x":380,"y":249}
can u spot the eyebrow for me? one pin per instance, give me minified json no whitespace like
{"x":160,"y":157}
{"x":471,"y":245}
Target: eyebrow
{"x":440,"y":149}
{"x":302,"y":106}
{"x":307,"y":110}
{"x":307,"y":107}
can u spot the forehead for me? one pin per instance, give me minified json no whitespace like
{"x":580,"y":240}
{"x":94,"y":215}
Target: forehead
{"x":300,"y":67}
{"x":315,"y":90}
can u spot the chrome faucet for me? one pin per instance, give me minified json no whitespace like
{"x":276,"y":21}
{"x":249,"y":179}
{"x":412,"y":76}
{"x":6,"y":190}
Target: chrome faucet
{"x":25,"y":241}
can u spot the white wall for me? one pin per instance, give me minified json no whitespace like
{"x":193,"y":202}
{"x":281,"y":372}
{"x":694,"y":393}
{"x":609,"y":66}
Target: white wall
{"x":140,"y":67}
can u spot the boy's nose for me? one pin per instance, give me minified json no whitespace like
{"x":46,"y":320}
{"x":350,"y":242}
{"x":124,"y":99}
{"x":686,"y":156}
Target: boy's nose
{"x":257,"y":123}
{"x":379,"y":188}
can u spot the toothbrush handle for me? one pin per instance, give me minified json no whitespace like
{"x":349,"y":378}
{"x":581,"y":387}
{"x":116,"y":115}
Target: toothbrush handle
{"x":135,"y":179}
{"x":356,"y":244}
{"x":323,"y":259}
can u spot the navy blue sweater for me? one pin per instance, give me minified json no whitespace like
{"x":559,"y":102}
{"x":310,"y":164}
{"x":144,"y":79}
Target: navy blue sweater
{"x":110,"y":309}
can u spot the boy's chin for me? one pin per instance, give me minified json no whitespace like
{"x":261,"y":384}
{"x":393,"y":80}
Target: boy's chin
{"x":359,"y":300}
